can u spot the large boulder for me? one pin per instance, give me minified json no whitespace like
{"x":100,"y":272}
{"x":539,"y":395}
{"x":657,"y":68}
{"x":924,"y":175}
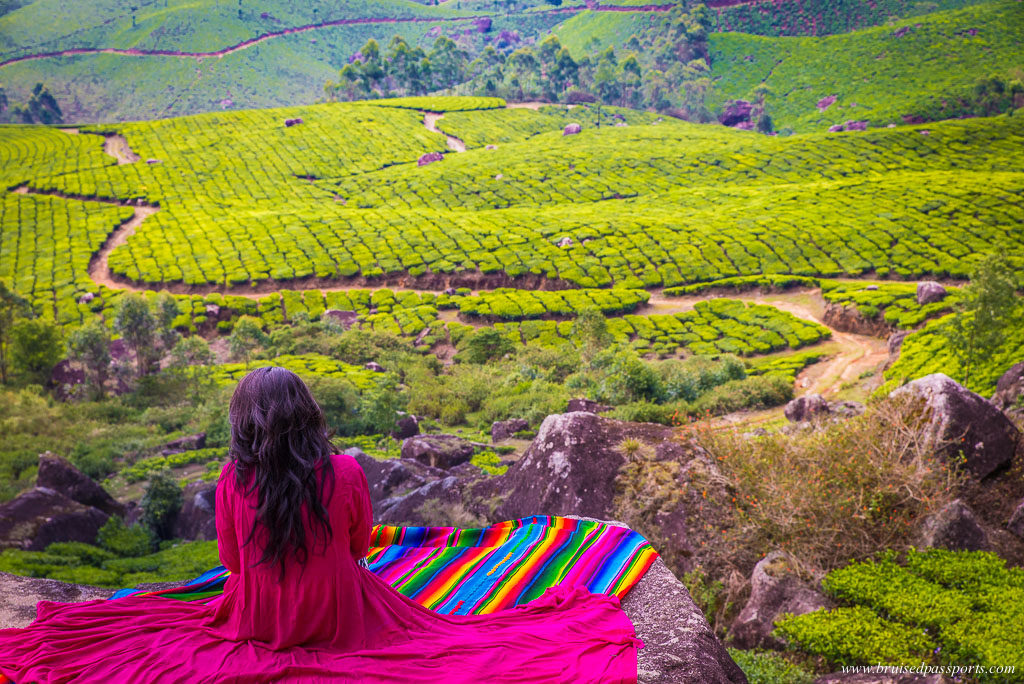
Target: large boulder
{"x":196,"y":519}
{"x":40,"y":517}
{"x":571,"y":129}
{"x":586,"y":406}
{"x":1010,"y":388}
{"x":406,"y":426}
{"x":393,"y":477}
{"x":929,"y":292}
{"x":953,"y":527}
{"x":439,"y":451}
{"x":503,"y":429}
{"x":959,"y":422}
{"x":679,"y":645}
{"x":569,"y":469}
{"x":186,"y":443}
{"x":429,"y":158}
{"x":806,"y":408}
{"x":57,"y":474}
{"x":850,"y":319}
{"x":774,"y":591}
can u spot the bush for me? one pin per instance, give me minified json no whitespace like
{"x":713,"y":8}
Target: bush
{"x":749,"y":393}
{"x":160,"y":504}
{"x":769,"y":667}
{"x":123,"y":541}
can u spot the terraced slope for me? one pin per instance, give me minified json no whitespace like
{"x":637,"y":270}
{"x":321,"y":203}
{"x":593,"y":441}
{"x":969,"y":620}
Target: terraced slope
{"x":924,"y":67}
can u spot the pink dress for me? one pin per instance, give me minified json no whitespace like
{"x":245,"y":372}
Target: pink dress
{"x":328,"y":621}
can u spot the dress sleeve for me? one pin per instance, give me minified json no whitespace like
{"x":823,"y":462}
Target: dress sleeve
{"x":362,"y":515}
{"x":227,"y":538}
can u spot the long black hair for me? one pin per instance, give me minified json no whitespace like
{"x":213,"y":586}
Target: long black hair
{"x":282,"y":452}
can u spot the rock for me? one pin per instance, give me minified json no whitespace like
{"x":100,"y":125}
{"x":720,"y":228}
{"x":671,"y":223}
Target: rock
{"x":571,"y":129}
{"x":850,"y":319}
{"x":895,"y":344}
{"x":374,"y":366}
{"x":503,"y":429}
{"x":406,"y":426}
{"x":881,"y":678}
{"x":775,"y":590}
{"x":490,"y":147}
{"x":292,"y":122}
{"x":482,"y":24}
{"x":195,"y":520}
{"x":954,"y":527}
{"x":451,"y":291}
{"x":154,"y":161}
{"x":19,"y":596}
{"x":845,"y":409}
{"x":393,"y":477}
{"x":1016,"y":523}
{"x":826,"y":102}
{"x":856,"y":125}
{"x":1010,"y":388}
{"x":66,"y":379}
{"x":835,"y":128}
{"x":586,"y":406}
{"x":439,"y":451}
{"x":213,"y":310}
{"x":57,"y":474}
{"x":871,"y":288}
{"x":565,"y":242}
{"x":40,"y":517}
{"x":806,"y":408}
{"x":86,"y":298}
{"x":960,"y":421}
{"x":736,"y":112}
{"x":679,"y":645}
{"x":902,"y":31}
{"x":569,"y":469}
{"x":407,"y":509}
{"x":929,"y":292}
{"x":186,"y":443}
{"x":429,"y":158}
{"x":346,"y":319}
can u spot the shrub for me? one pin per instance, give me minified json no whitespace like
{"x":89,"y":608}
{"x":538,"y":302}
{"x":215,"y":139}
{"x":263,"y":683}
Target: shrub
{"x":123,"y":541}
{"x":769,"y":667}
{"x":161,"y":503}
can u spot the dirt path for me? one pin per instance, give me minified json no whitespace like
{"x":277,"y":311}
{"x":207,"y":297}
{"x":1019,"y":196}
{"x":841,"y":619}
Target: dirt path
{"x":430,"y":120}
{"x":99,"y":268}
{"x":117,"y":147}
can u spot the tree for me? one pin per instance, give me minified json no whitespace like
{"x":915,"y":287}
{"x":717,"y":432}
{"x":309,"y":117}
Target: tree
{"x":137,"y":326}
{"x":42,"y":107}
{"x":246,"y":338}
{"x":12,"y":306}
{"x":487,"y":344}
{"x":192,"y":358}
{"x":985,"y":308}
{"x":90,"y":346}
{"x":167,"y":311}
{"x":590,"y":333}
{"x":160,"y":504}
{"x":447,"y":63}
{"x":36,"y":347}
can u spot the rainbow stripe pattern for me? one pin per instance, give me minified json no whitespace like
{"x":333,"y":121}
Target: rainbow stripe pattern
{"x":483,"y":570}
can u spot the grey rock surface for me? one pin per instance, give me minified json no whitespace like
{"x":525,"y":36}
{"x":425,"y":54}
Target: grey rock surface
{"x":954,"y":527}
{"x":59,"y":475}
{"x":41,"y":516}
{"x":929,"y":292}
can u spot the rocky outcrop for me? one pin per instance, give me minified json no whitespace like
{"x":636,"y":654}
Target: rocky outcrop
{"x":393,"y":477}
{"x":40,"y":517}
{"x":774,"y":591}
{"x":894,"y":345}
{"x":679,"y":645}
{"x":1016,"y":523}
{"x":929,"y":292}
{"x":963,"y":424}
{"x":186,"y":443}
{"x":346,"y":319}
{"x":59,"y":475}
{"x":736,"y":113}
{"x":569,"y":469}
{"x":429,"y":158}
{"x":503,"y":429}
{"x":406,"y":426}
{"x":849,"y":319}
{"x":806,"y":408}
{"x":19,"y":596}
{"x":196,"y":518}
{"x":849,"y":126}
{"x":571,"y":129}
{"x":439,"y":451}
{"x":587,"y":406}
{"x":954,"y":527}
{"x":1010,"y":388}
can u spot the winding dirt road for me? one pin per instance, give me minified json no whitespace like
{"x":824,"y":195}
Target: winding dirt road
{"x":430,"y":120}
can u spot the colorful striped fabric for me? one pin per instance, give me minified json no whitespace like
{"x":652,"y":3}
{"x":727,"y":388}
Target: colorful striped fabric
{"x":483,"y":570}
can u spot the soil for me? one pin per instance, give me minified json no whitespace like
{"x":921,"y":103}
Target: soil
{"x":430,"y":120}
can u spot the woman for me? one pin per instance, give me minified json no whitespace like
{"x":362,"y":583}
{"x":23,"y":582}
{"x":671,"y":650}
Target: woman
{"x":293,"y":524}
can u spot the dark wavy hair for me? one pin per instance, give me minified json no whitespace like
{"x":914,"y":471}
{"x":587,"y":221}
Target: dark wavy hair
{"x":281,"y":450}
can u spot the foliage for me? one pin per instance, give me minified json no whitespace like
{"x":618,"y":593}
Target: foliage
{"x":36,"y":347}
{"x":895,"y":302}
{"x":953,"y":607}
{"x":489,"y":462}
{"x":90,"y":345}
{"x":485,"y":345}
{"x":769,"y":667}
{"x":984,"y":313}
{"x":120,"y":540}
{"x":832,"y":494}
{"x":12,"y":306}
{"x":160,"y":504}
{"x":153,"y":466}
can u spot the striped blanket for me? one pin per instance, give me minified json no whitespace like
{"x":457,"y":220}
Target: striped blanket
{"x":483,"y":570}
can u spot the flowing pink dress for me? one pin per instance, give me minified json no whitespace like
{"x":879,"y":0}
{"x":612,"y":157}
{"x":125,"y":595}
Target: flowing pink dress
{"x":330,"y":620}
